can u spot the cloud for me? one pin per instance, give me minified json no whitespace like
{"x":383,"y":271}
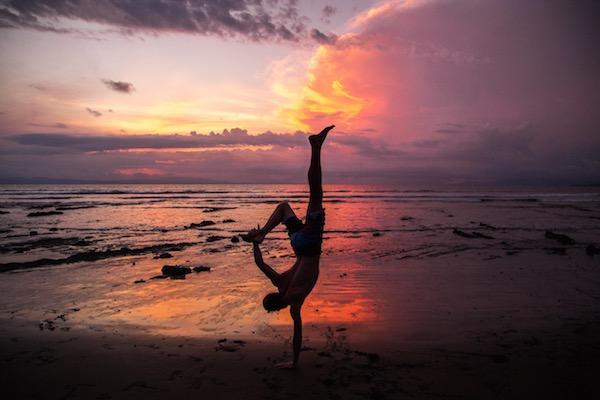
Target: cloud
{"x":118,"y":86}
{"x":233,"y":137}
{"x":255,"y":20}
{"x":470,"y":90}
{"x":95,"y":113}
{"x":58,"y":125}
{"x":322,"y":38}
{"x":327,"y":12}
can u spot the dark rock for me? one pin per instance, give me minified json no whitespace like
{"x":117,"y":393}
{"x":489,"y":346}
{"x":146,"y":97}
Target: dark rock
{"x":214,"y":238}
{"x":458,"y":232}
{"x":163,"y":255}
{"x":487,"y":226}
{"x":227,"y":347}
{"x":376,"y":234}
{"x":406,"y":218}
{"x":95,"y":255}
{"x":53,"y":229}
{"x":139,"y":281}
{"x":3,"y":212}
{"x":472,"y":235}
{"x":592,"y":250}
{"x":43,"y":213}
{"x":562,"y":239}
{"x":481,"y":235}
{"x":201,"y":268}
{"x":215,"y":209}
{"x":159,"y":277}
{"x":175,"y":270}
{"x":235,"y":239}
{"x":202,"y":224}
{"x":228,"y":221}
{"x":33,"y":233}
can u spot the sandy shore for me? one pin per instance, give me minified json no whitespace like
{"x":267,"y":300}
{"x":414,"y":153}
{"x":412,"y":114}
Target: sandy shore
{"x":108,"y":364}
{"x":504,"y":331}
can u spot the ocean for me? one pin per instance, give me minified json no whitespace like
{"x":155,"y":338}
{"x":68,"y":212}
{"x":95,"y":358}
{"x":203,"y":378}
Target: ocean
{"x":390,"y":254}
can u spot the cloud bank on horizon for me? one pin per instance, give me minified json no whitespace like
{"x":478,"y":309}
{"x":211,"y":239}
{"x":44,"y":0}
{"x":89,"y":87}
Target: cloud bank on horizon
{"x":422,"y":92}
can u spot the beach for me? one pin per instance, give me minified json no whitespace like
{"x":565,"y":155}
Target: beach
{"x":423,"y":293}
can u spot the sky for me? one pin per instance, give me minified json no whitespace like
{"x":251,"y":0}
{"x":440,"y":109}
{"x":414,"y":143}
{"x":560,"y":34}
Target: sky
{"x":422,"y":92}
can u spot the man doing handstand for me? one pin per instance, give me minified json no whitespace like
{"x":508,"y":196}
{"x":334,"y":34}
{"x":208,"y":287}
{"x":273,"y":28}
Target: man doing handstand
{"x":295,"y":284}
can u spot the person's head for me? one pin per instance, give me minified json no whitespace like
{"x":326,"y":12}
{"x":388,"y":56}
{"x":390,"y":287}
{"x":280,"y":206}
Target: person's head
{"x":274,"y":302}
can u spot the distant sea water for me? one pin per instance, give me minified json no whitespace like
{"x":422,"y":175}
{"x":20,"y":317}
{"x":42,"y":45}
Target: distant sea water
{"x":58,"y":221}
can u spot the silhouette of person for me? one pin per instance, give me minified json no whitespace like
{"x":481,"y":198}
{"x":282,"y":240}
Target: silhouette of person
{"x":295,"y":284}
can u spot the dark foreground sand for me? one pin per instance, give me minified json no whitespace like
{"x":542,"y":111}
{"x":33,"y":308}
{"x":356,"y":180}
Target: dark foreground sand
{"x":106,"y":364}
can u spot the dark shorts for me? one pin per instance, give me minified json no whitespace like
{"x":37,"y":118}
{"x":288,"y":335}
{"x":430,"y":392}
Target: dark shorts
{"x":306,"y":238}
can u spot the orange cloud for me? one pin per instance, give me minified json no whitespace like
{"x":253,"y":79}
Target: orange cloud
{"x":351,"y":84}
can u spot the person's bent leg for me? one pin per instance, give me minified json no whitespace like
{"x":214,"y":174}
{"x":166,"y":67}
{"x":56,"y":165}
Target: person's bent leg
{"x":282,"y":212}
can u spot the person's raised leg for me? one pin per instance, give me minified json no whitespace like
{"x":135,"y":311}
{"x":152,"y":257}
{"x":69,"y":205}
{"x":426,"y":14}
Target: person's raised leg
{"x":282,"y":212}
{"x":315,"y":184}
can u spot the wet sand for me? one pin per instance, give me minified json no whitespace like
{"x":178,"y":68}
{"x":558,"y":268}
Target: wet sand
{"x":527,"y":328}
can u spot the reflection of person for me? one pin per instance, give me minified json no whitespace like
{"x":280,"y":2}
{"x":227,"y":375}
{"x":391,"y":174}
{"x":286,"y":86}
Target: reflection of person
{"x":296,"y":283}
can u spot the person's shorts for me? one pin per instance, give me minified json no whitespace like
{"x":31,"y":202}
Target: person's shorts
{"x":306,"y":238}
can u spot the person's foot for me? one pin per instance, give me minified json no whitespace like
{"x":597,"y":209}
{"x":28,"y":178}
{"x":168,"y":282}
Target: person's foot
{"x":253,"y":236}
{"x":318,"y":139}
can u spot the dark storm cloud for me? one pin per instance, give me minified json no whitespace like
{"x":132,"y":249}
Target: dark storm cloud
{"x":256,"y":20}
{"x":118,"y":86}
{"x":322,"y":38}
{"x":95,"y":113}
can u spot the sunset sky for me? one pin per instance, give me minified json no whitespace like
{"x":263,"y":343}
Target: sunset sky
{"x":422,"y":92}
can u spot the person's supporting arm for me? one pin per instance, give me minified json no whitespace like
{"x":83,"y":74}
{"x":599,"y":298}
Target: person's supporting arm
{"x":297,"y":343}
{"x":264,"y":267}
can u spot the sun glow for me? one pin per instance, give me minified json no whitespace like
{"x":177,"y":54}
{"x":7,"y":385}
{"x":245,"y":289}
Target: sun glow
{"x":325,"y":96}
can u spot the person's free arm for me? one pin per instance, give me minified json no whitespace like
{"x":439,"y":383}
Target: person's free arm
{"x":297,"y":342}
{"x":264,"y":267}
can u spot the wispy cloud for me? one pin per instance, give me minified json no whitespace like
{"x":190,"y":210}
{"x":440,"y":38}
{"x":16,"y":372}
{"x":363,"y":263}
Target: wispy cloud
{"x":95,"y":113}
{"x":322,"y":38}
{"x":118,"y":86}
{"x":327,"y":12}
